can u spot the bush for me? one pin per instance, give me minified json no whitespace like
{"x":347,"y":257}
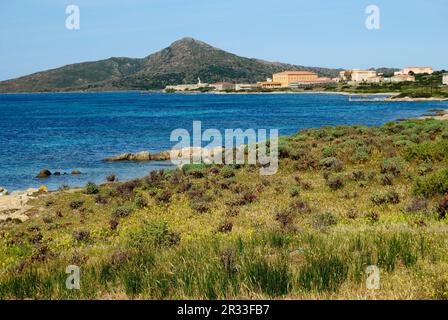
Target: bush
{"x":335,"y":182}
{"x":163,"y":196}
{"x":91,"y":188}
{"x":392,"y":165}
{"x":332,"y":163}
{"x":325,"y":219}
{"x":227,"y":172}
{"x":122,"y":212}
{"x":155,"y":234}
{"x":430,"y":151}
{"x":76,"y":204}
{"x":294,"y":191}
{"x":361,"y":155}
{"x":140,"y":201}
{"x":383,"y":198}
{"x":431,"y":184}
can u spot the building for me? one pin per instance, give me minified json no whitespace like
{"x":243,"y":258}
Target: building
{"x":414,"y":70}
{"x":187,"y":87}
{"x":220,"y":86}
{"x":445,"y":79}
{"x":402,"y":78}
{"x":270,"y":84}
{"x":246,"y":86}
{"x":358,"y":75}
{"x":287,"y":77}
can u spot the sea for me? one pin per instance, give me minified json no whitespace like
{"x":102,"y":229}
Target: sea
{"x":76,"y":131}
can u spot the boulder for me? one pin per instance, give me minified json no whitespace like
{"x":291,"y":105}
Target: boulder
{"x":57,"y":173}
{"x":44,"y":173}
{"x":140,"y":156}
{"x":76,"y":172}
{"x":3,"y":192}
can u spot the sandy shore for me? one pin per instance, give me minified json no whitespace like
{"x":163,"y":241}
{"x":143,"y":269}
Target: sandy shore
{"x":15,"y":205}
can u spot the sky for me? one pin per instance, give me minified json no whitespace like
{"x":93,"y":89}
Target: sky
{"x":321,"y":33}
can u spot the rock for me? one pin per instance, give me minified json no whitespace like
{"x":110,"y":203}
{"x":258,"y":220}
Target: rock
{"x":76,"y":172}
{"x":31,"y":191}
{"x":43,"y":189}
{"x":3,"y":192}
{"x":111,"y":178}
{"x":140,"y":156}
{"x":44,"y":173}
{"x":56,"y":173}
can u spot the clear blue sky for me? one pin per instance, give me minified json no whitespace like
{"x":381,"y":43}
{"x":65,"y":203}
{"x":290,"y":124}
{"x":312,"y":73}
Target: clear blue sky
{"x":328,"y":33}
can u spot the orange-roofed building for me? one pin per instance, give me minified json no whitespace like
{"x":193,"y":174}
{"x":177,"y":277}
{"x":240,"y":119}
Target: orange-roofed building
{"x":287,"y":77}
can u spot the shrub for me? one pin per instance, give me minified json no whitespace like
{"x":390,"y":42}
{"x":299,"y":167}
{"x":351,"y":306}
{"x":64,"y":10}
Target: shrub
{"x":325,"y":219}
{"x":194,"y":169}
{"x":200,"y":206}
{"x":392,"y":165}
{"x":225,"y":227}
{"x":122,"y":212}
{"x":387,"y":179}
{"x":126,"y":189}
{"x":286,"y":218}
{"x":358,"y":175}
{"x":424,"y":168}
{"x":81,"y":235}
{"x":361,"y":155}
{"x":383,"y":198}
{"x":163,"y":196}
{"x":430,"y":151}
{"x":335,"y":182}
{"x":155,"y":234}
{"x":76,"y":204}
{"x":100,"y":199}
{"x":332,"y":163}
{"x":91,"y":188}
{"x":299,"y":206}
{"x":227,"y":172}
{"x":329,"y":151}
{"x":431,"y":184}
{"x":417,"y":204}
{"x":294,"y":191}
{"x":442,"y":208}
{"x":141,"y":201}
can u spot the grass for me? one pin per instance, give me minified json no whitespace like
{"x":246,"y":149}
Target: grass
{"x":224,"y":232}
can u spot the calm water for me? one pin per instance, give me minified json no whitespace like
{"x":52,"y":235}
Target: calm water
{"x":69,"y":131}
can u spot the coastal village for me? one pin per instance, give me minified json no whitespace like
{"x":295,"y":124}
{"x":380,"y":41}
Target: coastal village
{"x":308,"y":79}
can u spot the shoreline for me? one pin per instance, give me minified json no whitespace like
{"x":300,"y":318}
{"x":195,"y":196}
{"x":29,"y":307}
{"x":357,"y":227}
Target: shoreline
{"x":15,"y":205}
{"x":349,"y":94}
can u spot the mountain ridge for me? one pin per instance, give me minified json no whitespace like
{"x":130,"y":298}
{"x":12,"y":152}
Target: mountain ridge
{"x":182,"y":62}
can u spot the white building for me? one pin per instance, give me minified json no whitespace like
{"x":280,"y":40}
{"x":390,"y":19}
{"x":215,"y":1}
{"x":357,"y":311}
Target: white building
{"x":358,"y":75}
{"x":445,"y":79}
{"x":246,"y":86}
{"x":414,"y":70}
{"x":186,"y":87}
{"x":219,"y":86}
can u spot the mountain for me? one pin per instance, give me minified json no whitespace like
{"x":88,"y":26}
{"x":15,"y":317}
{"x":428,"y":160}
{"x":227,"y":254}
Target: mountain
{"x":182,"y":62}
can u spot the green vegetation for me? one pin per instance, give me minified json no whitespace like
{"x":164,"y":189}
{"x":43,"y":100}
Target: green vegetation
{"x":214,"y":232}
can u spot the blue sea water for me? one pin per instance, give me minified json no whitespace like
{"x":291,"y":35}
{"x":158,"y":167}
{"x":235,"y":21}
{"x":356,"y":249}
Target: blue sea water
{"x":67,"y":131}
